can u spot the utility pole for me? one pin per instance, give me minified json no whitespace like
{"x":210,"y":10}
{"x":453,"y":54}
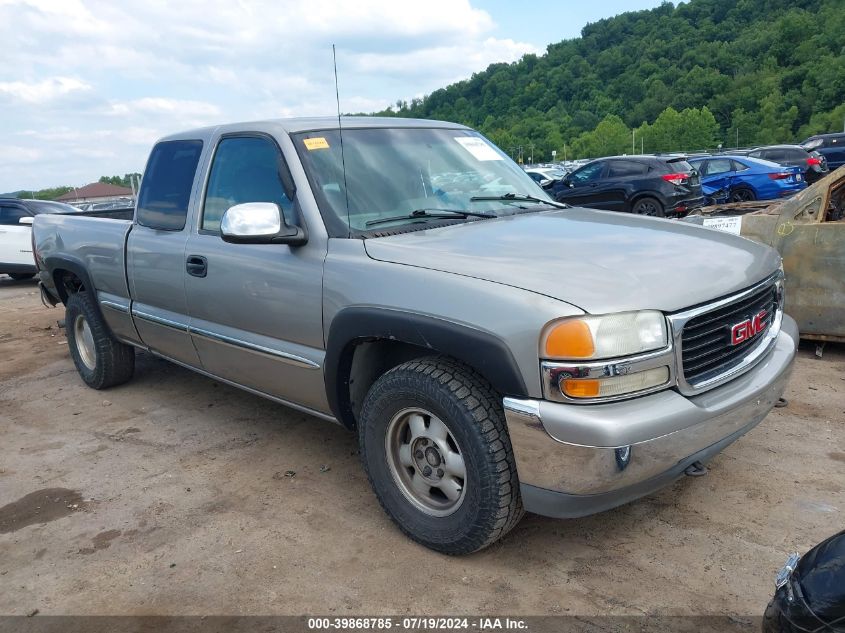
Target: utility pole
{"x":633,"y":142}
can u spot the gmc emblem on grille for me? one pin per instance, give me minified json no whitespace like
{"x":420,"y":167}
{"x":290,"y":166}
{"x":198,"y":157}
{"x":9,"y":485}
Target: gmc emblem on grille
{"x":749,"y":328}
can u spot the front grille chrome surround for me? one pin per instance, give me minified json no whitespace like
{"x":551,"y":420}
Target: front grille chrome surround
{"x":710,"y":359}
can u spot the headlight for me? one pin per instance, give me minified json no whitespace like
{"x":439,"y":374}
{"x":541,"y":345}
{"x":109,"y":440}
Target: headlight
{"x":608,"y":336}
{"x":603,"y":358}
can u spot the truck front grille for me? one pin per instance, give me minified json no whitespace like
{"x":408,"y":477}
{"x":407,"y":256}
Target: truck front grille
{"x":707,"y":348}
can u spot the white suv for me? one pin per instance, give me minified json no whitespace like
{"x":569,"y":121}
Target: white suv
{"x":16,"y":215}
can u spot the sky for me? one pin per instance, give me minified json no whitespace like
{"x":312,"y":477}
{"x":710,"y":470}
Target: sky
{"x":87,"y":86}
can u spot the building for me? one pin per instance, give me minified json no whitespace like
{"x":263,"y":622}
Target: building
{"x":96,"y":192}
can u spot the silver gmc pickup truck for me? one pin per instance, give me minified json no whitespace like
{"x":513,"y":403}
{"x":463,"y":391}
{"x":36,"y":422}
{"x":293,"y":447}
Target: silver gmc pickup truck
{"x":495,"y":351}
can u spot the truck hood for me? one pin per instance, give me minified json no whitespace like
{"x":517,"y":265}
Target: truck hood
{"x":598,"y":261}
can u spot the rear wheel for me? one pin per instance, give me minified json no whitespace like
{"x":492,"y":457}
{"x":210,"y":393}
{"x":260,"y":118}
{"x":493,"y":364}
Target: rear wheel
{"x":648,"y":206}
{"x":21,"y":276}
{"x":101,"y":360}
{"x":437,"y":453}
{"x":742,"y":194}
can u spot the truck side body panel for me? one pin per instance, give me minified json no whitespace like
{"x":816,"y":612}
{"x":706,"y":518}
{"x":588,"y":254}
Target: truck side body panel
{"x":92,"y":249}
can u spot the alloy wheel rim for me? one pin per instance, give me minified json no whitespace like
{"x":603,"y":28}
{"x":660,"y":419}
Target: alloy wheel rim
{"x":426,"y":462}
{"x":85,"y":342}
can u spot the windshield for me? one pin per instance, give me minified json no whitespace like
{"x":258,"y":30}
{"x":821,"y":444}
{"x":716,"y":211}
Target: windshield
{"x":392,"y":172}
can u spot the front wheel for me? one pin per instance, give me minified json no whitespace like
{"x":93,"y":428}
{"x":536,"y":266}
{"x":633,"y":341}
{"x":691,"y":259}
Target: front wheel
{"x":648,"y":206}
{"x":437,"y":453}
{"x":101,"y":360}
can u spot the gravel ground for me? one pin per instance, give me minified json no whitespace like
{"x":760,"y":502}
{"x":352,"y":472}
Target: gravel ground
{"x":171,"y":495}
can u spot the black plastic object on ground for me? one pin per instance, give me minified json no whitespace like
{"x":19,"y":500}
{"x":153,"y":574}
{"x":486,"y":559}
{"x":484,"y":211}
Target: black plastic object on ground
{"x":813,"y":595}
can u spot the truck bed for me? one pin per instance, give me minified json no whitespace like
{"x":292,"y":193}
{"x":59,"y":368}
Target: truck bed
{"x":95,"y":244}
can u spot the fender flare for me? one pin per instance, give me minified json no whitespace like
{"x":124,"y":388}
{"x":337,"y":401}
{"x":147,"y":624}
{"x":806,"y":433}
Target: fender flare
{"x":482,"y":351}
{"x":72,"y":264}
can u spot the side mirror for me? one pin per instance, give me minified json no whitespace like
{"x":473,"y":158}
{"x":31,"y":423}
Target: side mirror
{"x":27,"y":219}
{"x":259,"y":223}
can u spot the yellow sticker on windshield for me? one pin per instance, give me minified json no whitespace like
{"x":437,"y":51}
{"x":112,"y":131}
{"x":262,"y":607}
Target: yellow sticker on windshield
{"x":316,"y":143}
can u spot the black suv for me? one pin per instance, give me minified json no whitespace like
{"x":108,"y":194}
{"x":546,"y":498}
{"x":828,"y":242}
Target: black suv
{"x":646,"y":185}
{"x":813,"y":163}
{"x":831,"y":146}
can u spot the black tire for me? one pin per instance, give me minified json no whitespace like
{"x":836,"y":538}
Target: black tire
{"x":471,"y":410}
{"x":648,"y":206}
{"x":101,"y":360}
{"x":21,"y":276}
{"x":742,"y":194}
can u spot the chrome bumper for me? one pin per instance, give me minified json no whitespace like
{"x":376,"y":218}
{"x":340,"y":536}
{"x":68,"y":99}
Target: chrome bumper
{"x":574,"y":460}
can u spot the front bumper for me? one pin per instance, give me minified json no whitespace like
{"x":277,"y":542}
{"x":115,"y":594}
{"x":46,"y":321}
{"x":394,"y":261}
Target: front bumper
{"x":575,"y":460}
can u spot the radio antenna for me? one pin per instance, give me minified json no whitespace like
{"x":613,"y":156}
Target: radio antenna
{"x":340,"y":134}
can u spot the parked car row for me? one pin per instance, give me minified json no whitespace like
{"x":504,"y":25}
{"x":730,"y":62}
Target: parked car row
{"x":644,"y":185}
{"x":674,"y":185}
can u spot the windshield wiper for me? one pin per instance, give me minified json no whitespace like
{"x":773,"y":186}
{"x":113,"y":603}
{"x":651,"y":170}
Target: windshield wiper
{"x":432,"y":213}
{"x":520,"y":198}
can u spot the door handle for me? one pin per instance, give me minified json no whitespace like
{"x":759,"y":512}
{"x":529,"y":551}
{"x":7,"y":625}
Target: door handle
{"x":197,"y":265}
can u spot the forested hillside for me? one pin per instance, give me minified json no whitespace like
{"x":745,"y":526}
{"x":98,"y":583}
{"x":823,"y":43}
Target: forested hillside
{"x":705,"y":72}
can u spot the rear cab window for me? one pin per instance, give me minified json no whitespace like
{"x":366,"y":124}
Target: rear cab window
{"x":166,"y":188}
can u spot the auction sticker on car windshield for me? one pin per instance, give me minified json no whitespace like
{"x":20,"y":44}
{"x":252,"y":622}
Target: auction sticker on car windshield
{"x":317,"y":142}
{"x":478,"y":147}
{"x":728,"y":225}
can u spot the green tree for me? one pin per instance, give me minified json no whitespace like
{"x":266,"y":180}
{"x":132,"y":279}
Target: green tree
{"x":610,"y":137}
{"x":767,"y":70}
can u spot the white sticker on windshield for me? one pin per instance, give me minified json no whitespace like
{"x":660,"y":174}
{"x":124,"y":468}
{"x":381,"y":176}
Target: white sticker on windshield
{"x":728,"y":225}
{"x":478,"y":147}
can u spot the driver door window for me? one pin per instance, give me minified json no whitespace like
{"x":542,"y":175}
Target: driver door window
{"x":245,"y":169}
{"x":587,"y":174}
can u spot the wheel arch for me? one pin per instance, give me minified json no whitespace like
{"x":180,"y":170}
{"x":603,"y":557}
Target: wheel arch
{"x":742,"y":184}
{"x":364,"y":342}
{"x":69,"y":275}
{"x":639,"y":195}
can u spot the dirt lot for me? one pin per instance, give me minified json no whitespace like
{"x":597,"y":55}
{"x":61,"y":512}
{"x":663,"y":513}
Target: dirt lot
{"x":169,"y":495}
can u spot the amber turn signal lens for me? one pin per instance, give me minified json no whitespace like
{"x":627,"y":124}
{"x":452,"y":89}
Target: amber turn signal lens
{"x":570,"y":339}
{"x":580,"y":388}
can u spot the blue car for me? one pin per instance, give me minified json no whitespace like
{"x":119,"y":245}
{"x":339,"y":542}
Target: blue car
{"x":744,"y":178}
